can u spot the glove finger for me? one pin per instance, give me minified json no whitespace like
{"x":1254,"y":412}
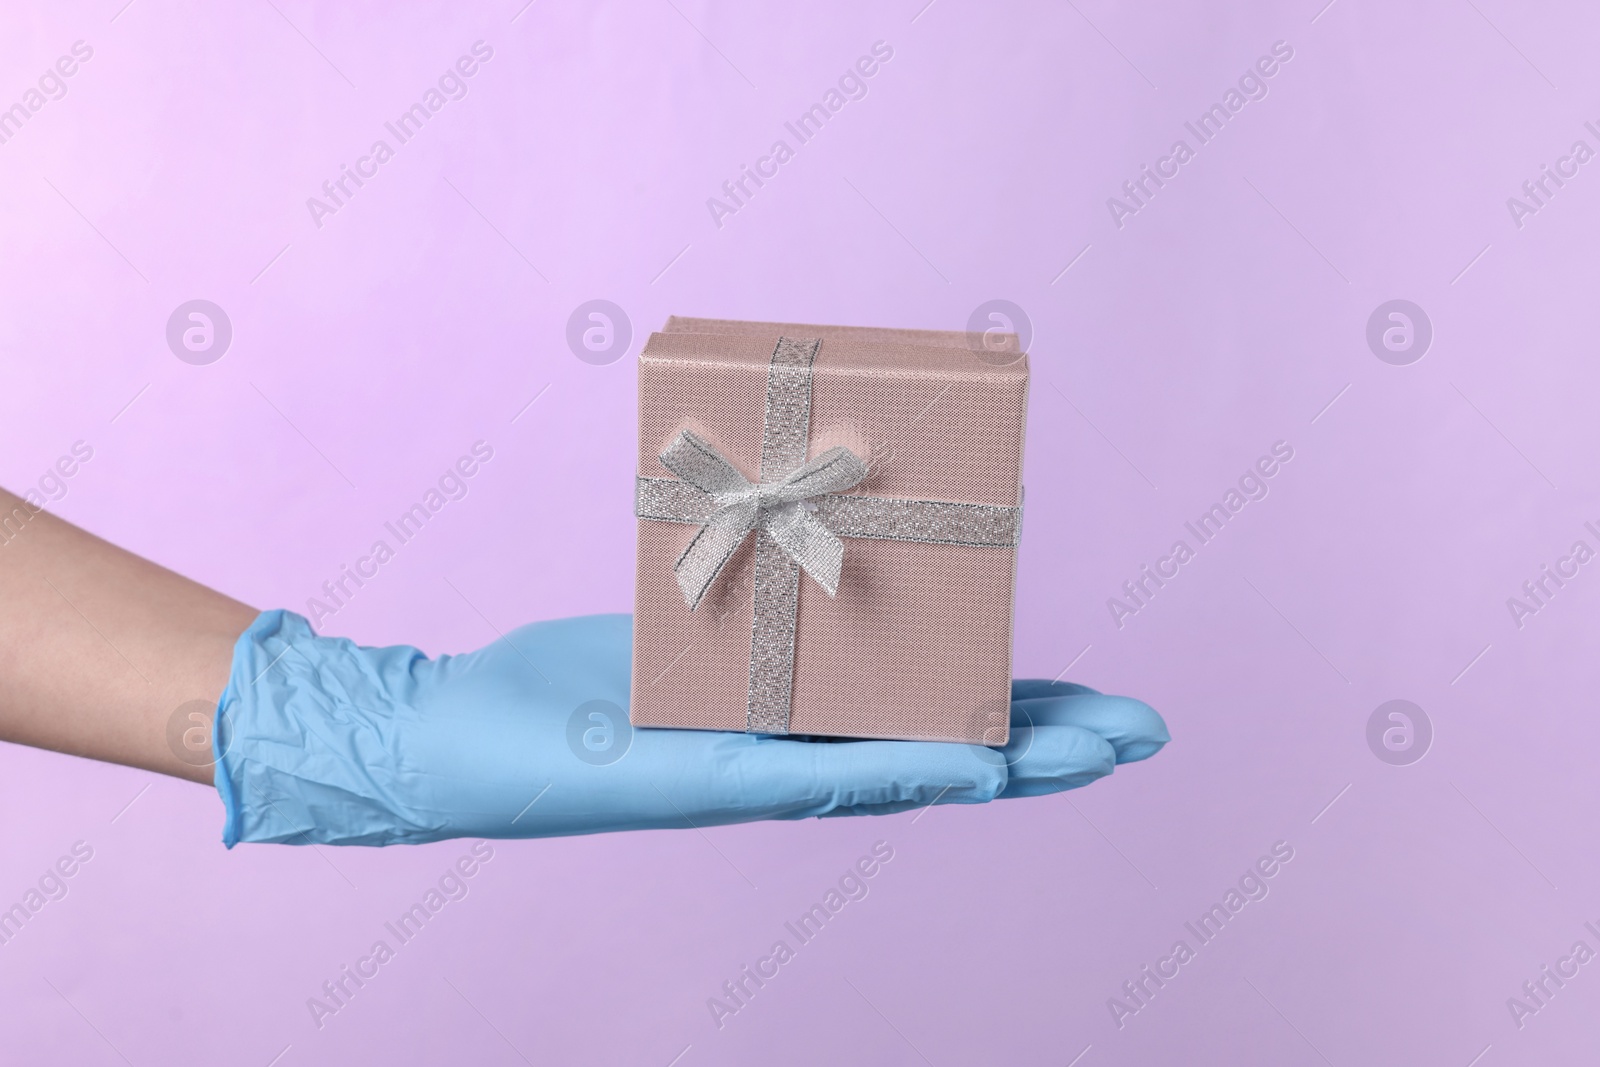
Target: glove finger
{"x":811,"y":779}
{"x":1031,"y":688}
{"x":1134,"y":729}
{"x":1050,"y":759}
{"x":873,"y":809}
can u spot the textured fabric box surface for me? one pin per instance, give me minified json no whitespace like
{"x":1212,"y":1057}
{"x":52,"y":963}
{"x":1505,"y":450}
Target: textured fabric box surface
{"x":917,"y":642}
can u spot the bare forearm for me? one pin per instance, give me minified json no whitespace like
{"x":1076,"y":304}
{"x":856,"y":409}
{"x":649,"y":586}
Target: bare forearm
{"x":99,"y":648}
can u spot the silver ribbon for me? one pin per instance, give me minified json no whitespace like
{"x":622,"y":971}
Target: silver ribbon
{"x":798,"y":516}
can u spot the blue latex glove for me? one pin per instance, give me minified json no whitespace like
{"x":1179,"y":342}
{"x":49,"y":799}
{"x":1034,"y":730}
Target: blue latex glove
{"x":324,"y":741}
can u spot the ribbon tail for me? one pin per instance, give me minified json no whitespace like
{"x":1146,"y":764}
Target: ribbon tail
{"x":809,"y":543}
{"x":713,"y":545}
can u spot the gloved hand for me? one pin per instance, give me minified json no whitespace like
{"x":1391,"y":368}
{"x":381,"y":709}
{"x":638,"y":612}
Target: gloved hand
{"x":320,"y":740}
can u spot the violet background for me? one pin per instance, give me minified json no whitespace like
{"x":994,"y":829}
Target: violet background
{"x":1228,"y":314}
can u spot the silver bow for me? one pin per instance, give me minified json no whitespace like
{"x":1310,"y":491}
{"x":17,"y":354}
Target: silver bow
{"x":784,"y":509}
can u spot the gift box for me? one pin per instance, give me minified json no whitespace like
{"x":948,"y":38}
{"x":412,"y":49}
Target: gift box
{"x":828,"y":521}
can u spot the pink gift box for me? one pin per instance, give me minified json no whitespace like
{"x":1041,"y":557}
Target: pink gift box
{"x":915,"y":643}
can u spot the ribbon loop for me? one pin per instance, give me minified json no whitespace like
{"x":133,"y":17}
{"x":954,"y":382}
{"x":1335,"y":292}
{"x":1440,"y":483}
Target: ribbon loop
{"x":694,"y":459}
{"x":780,"y":508}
